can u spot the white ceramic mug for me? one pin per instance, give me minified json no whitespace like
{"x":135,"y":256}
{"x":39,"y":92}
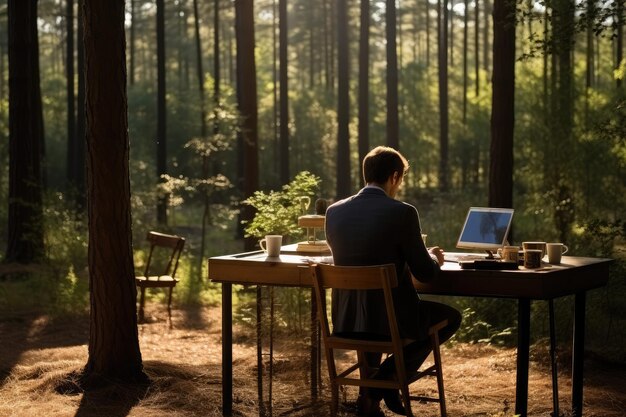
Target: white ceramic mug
{"x":555,"y":251}
{"x":271,"y":245}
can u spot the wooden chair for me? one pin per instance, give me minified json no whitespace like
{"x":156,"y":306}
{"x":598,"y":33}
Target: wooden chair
{"x":173,"y":246}
{"x":381,"y":277}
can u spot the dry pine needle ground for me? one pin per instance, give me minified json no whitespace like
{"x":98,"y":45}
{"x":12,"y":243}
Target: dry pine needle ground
{"x":40,"y":357}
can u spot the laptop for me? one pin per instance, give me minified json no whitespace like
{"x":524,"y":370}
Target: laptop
{"x":485,"y":228}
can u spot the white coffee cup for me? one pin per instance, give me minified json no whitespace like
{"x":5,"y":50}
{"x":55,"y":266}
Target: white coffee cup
{"x":555,"y":251}
{"x":271,"y":245}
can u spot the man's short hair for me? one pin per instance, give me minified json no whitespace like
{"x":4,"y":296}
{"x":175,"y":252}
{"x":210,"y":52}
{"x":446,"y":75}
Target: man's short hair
{"x":380,"y":164}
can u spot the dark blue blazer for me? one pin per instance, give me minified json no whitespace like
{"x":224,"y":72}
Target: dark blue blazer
{"x":371,"y":228}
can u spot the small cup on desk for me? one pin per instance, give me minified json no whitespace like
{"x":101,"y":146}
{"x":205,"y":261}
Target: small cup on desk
{"x":555,"y":251}
{"x":271,"y":245}
{"x":509,"y":253}
{"x":532,"y":258}
{"x":535,"y":245}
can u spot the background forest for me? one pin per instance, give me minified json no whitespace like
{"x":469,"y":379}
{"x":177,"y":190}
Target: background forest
{"x":569,"y":167}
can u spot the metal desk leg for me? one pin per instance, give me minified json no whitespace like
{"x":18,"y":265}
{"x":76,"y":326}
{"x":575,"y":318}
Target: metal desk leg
{"x":227,"y":349}
{"x":523,"y":348}
{"x":259,"y":349}
{"x":553,"y":364}
{"x":314,"y":346}
{"x":578,"y":354}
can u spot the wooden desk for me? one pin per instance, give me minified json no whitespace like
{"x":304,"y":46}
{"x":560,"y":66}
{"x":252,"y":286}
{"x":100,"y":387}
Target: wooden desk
{"x":575,"y":276}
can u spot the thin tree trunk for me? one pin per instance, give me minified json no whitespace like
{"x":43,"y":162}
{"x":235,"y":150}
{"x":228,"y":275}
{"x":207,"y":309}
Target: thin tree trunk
{"x":364,"y":53}
{"x":465,"y":41}
{"x":113,"y":338}
{"x":619,"y":42}
{"x":132,"y":42}
{"x":71,"y":110}
{"x":161,"y":133}
{"x":442,"y":30}
{"x":392,"y":76}
{"x":247,"y":99}
{"x":343,"y":102}
{"x":476,"y":46}
{"x":80,"y":169}
{"x":284,"y":92}
{"x":25,"y":242}
{"x":486,"y":45}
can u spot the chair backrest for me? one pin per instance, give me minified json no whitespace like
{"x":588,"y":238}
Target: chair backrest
{"x":162,"y":240}
{"x":375,"y":277}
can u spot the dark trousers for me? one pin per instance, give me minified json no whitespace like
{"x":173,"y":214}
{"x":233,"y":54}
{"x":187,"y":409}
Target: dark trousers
{"x":416,"y":353}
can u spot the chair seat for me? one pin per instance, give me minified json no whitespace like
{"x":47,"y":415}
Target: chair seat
{"x":155,"y":281}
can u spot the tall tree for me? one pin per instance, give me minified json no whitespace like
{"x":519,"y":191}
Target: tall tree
{"x":132,"y":41}
{"x":442,"y":37}
{"x":284,"y":92}
{"x":392,"y":76}
{"x":71,"y":110}
{"x":476,"y":47}
{"x":113,"y":338}
{"x":161,"y":138}
{"x":503,"y":105}
{"x":364,"y":63}
{"x":79,"y":160}
{"x":343,"y":102}
{"x":465,"y":42}
{"x":247,"y":103}
{"x":25,"y":223}
{"x":619,"y":41}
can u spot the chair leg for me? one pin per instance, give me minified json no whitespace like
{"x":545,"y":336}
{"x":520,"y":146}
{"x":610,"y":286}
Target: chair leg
{"x":334,"y":404}
{"x":169,"y":307}
{"x":438,"y":368}
{"x":406,"y":399}
{"x":142,"y":300}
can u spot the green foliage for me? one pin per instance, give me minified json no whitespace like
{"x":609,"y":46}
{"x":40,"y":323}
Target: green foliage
{"x":477,"y":329}
{"x":277,"y":211}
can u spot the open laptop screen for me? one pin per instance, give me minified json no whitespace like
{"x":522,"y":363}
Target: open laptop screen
{"x":485,"y":228}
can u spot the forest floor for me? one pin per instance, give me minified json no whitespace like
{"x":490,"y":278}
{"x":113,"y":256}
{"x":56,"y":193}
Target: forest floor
{"x":38,"y":355}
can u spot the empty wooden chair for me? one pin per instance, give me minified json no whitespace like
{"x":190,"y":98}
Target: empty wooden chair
{"x":379,"y":277}
{"x":172,"y":246}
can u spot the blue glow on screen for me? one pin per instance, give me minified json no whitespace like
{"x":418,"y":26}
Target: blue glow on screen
{"x":486,"y":227}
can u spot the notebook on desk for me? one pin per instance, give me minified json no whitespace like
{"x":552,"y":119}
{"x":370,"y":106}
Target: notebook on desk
{"x":486,"y":229}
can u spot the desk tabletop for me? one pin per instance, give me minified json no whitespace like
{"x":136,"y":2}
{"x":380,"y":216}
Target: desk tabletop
{"x":573,"y":275}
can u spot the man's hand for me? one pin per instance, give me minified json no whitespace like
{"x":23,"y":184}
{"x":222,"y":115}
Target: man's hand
{"x":438,"y":253}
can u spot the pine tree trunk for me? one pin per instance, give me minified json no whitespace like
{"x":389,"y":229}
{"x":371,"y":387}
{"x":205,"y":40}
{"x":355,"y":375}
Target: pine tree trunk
{"x":343,"y":102}
{"x":442,"y":26}
{"x":392,"y":76}
{"x":161,"y":134}
{"x":25,"y":228}
{"x":247,"y":99}
{"x":364,"y":63}
{"x":284,"y":92}
{"x":113,"y":339}
{"x":502,"y":107}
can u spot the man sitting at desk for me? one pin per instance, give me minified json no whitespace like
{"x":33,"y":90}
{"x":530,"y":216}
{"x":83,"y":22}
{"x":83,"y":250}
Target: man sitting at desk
{"x":372,"y":228}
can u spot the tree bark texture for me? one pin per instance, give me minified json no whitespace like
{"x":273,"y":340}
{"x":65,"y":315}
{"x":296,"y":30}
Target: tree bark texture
{"x":247,"y":102}
{"x":343,"y":102}
{"x":113,"y":339}
{"x":444,"y":122}
{"x":25,"y":228}
{"x":364,"y":62}
{"x":79,"y":161}
{"x":503,"y":105}
{"x":284,"y":92}
{"x":392,"y":76}
{"x":161,"y":133}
